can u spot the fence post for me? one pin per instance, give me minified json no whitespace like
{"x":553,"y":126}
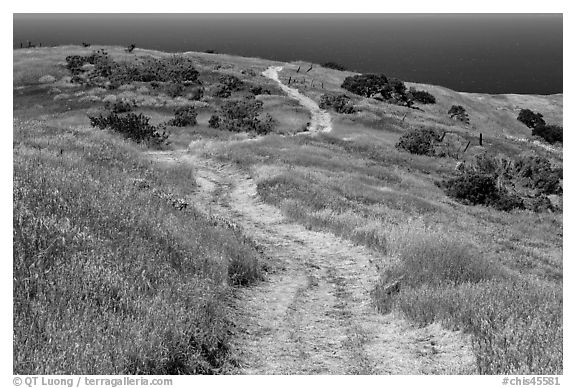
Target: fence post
{"x":442,"y":138}
{"x":298,"y":71}
{"x":467,"y":145}
{"x":309,"y":68}
{"x":480,"y":139}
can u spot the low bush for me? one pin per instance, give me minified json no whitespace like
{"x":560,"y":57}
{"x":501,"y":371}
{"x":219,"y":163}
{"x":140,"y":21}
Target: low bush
{"x":184,"y":116}
{"x":340,"y":103}
{"x":473,"y":188}
{"x":243,"y":116}
{"x":550,"y":133}
{"x":334,"y":66}
{"x":257,"y":90}
{"x":458,"y":112}
{"x":422,"y":96}
{"x":221,"y":91}
{"x":231,"y":82}
{"x":530,"y":119}
{"x":536,"y":172}
{"x":419,"y":141}
{"x":132,"y":126}
{"x":214,"y":121}
{"x":176,"y":69}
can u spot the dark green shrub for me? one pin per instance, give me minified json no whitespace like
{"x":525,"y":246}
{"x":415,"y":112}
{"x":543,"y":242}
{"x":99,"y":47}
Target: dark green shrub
{"x":184,"y":116}
{"x":422,"y":96}
{"x":537,"y":173}
{"x":334,"y":65}
{"x":551,"y":133}
{"x":530,"y":119}
{"x":472,"y":188}
{"x":231,"y":82}
{"x":221,"y":91}
{"x":176,"y":69}
{"x":341,"y":103}
{"x":257,"y":90}
{"x":458,"y":112}
{"x":243,"y":116}
{"x":214,"y":121}
{"x":131,"y":126}
{"x":419,"y":141}
{"x":366,"y":85}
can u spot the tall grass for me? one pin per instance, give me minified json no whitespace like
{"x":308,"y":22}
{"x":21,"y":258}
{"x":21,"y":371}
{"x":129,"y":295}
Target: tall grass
{"x":515,"y":322}
{"x":108,"y":278}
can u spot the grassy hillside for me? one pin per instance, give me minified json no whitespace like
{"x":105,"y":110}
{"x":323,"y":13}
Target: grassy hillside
{"x":111,"y":277}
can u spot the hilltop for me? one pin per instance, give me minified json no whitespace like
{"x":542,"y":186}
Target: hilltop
{"x":207,"y":213}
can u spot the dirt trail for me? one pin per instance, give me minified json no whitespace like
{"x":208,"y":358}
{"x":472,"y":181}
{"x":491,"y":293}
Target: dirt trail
{"x":321,"y":120}
{"x":313,"y":314}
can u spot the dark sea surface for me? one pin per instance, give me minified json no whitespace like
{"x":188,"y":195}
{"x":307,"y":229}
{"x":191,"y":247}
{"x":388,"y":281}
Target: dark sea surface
{"x":484,"y":53}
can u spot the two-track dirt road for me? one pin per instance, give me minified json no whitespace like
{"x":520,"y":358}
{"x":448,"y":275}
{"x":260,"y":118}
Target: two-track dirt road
{"x":313,"y":313}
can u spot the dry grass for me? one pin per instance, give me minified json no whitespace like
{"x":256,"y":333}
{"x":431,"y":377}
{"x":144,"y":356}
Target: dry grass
{"x":506,"y":293}
{"x":108,"y":278}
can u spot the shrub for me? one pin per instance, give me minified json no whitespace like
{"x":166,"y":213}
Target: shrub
{"x":551,"y":133}
{"x":366,"y":85}
{"x":473,"y":188}
{"x":334,"y":65}
{"x":214,"y":121}
{"x":221,"y":91}
{"x":458,"y":112}
{"x":184,"y":116}
{"x":176,"y":69}
{"x":131,"y":126}
{"x":341,"y":103}
{"x":257,"y":90}
{"x":419,"y":141}
{"x":422,"y":96}
{"x":231,"y":82}
{"x":243,"y":116}
{"x":530,"y":119}
{"x":536,"y":172}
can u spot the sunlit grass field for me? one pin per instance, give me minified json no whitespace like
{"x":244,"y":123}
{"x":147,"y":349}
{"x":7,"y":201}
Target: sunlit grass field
{"x":111,"y":279}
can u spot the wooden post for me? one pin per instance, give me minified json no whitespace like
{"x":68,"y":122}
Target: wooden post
{"x":480,"y":139}
{"x":442,"y":138}
{"x":289,"y":79}
{"x":298,"y":71}
{"x":403,"y":117}
{"x":467,"y":145}
{"x":21,"y":45}
{"x":309,"y":69}
{"x":322,"y":85}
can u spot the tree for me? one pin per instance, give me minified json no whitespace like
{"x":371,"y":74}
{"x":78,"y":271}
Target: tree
{"x":551,"y":133}
{"x":530,"y":119}
{"x":365,"y":85}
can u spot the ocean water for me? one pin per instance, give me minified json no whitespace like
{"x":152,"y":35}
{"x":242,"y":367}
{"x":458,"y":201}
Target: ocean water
{"x":484,"y":53}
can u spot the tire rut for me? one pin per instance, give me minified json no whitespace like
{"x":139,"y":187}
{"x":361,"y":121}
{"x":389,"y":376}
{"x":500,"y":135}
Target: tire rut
{"x":313,"y":313}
